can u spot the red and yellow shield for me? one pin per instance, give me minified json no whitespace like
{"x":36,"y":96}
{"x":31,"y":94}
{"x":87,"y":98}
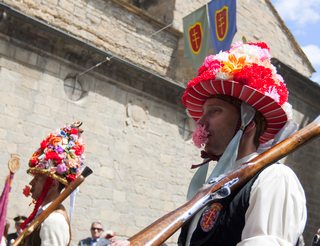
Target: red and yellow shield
{"x":221,"y":23}
{"x":209,"y":216}
{"x":195,"y":37}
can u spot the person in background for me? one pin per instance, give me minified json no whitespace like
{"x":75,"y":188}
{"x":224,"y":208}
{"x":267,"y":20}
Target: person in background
{"x":18,"y":220}
{"x":96,"y":238}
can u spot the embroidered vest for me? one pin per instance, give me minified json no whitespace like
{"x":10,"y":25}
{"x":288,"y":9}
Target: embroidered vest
{"x":221,"y":223}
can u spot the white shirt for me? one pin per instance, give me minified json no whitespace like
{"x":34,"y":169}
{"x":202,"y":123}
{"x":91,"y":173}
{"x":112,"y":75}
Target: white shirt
{"x":277,"y":209}
{"x":54,"y":230}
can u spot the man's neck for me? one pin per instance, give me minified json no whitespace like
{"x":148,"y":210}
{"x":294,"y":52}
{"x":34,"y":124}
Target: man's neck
{"x":246,"y":149}
{"x":51,"y":196}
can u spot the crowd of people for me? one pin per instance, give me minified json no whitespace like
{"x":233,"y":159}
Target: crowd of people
{"x":240,"y":105}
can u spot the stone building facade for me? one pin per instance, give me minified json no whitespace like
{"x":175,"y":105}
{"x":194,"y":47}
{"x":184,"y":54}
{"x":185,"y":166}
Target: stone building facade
{"x":136,"y":132}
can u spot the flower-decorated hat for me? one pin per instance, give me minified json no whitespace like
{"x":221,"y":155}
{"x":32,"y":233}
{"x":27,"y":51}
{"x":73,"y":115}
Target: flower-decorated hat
{"x":244,"y":72}
{"x":60,"y":155}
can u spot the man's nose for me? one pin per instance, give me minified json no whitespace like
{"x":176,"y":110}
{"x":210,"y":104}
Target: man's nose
{"x":203,"y":121}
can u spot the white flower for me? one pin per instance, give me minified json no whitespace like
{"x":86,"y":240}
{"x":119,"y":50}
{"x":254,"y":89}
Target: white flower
{"x":272,"y":92}
{"x":224,"y":76}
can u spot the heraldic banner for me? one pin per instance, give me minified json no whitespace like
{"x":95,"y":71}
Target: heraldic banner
{"x":196,"y":36}
{"x":223,"y":26}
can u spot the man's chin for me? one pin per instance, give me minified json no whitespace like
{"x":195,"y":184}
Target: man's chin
{"x":211,"y":154}
{"x":34,"y":197}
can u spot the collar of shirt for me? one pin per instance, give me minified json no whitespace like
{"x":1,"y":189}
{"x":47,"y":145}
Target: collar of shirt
{"x":94,"y":241}
{"x":42,"y":208}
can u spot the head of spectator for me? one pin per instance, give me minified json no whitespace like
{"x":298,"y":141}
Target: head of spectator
{"x":96,"y":230}
{"x":18,"y":220}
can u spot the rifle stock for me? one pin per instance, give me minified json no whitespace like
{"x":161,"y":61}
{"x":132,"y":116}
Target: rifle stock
{"x":160,"y":230}
{"x":63,"y":195}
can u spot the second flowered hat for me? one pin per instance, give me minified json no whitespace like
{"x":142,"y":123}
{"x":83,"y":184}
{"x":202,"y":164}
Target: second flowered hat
{"x":60,"y":155}
{"x":244,"y":72}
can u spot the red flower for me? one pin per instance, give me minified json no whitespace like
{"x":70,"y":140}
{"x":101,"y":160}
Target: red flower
{"x":262,"y":45}
{"x":78,"y":149}
{"x":283,"y":93}
{"x":255,"y":76}
{"x":71,"y":177}
{"x":26,"y":190}
{"x":74,"y":131}
{"x":51,"y":155}
{"x":260,"y":78}
{"x":33,"y":162}
{"x":43,"y":144}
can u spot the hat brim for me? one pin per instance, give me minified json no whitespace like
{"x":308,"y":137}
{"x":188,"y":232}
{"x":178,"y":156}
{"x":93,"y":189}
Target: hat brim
{"x":35,"y":170}
{"x":273,"y":113}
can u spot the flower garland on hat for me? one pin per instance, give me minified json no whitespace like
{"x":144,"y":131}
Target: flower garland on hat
{"x":248,"y":64}
{"x":244,"y":72}
{"x":60,"y":154}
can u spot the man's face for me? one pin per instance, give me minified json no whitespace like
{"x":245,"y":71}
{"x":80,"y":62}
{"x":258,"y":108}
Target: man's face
{"x":37,"y":184}
{"x":220,"y":119}
{"x":96,"y":230}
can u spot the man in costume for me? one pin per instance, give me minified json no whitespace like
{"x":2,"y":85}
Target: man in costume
{"x":57,"y":162}
{"x":240,"y":105}
{"x":96,"y":238}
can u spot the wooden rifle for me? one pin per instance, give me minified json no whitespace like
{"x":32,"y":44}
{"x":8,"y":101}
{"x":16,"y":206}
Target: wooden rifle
{"x":53,"y":206}
{"x":160,"y":230}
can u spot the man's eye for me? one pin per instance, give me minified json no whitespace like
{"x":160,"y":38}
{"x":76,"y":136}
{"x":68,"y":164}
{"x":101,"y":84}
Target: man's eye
{"x":212,"y":111}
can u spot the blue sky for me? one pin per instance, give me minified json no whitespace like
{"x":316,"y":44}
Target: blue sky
{"x":303,"y":20}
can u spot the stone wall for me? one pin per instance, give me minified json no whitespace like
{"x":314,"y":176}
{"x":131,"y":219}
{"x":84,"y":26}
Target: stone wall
{"x":133,"y":143}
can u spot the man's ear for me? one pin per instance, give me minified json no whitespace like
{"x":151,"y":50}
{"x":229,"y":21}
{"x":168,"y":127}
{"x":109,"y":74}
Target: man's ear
{"x":55,"y":184}
{"x":250,"y":128}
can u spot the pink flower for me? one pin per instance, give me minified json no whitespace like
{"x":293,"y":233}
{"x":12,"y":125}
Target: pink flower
{"x":200,"y":136}
{"x":210,"y":63}
{"x":61,"y":168}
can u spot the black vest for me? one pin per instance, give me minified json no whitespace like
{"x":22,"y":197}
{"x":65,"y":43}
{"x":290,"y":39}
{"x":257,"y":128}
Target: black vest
{"x":229,"y":222}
